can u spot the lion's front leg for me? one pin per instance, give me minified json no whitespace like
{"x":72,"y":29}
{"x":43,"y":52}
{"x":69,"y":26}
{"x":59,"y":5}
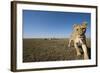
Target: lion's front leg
{"x":84,"y":47}
{"x":85,"y":51}
{"x":69,"y":43}
{"x":77,"y":49}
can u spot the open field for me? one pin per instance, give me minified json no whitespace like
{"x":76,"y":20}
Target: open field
{"x":36,"y":50}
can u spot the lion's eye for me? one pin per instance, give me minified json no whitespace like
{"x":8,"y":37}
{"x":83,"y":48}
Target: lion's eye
{"x":77,"y":29}
{"x":83,"y":28}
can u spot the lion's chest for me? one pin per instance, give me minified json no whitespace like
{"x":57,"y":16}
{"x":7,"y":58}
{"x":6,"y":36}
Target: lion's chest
{"x":79,"y":40}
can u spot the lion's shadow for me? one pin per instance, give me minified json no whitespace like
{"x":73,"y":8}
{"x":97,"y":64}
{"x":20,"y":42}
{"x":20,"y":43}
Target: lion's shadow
{"x":89,"y":52}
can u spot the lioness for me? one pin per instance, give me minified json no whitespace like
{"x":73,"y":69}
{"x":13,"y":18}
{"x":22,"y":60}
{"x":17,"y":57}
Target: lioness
{"x":79,"y":39}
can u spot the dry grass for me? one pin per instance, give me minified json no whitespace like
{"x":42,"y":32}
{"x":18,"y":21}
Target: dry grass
{"x":35,"y":50}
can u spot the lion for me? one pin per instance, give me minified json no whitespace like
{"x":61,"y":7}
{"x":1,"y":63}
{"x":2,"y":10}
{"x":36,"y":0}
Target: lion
{"x":79,"y":38}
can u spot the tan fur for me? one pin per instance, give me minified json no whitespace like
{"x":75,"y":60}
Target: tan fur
{"x":79,"y":38}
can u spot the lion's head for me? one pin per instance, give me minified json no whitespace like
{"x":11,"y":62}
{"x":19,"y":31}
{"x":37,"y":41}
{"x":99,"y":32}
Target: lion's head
{"x":80,"y":29}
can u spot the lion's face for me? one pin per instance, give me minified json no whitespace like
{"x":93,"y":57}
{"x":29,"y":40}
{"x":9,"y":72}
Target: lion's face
{"x":80,"y":29}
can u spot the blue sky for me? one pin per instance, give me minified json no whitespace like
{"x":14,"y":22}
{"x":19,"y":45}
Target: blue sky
{"x":52,"y":24}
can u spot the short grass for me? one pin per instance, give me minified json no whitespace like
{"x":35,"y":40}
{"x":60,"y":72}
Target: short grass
{"x":36,"y":50}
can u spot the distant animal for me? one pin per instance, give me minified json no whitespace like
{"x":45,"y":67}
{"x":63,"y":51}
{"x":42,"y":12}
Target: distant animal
{"x":79,"y":38}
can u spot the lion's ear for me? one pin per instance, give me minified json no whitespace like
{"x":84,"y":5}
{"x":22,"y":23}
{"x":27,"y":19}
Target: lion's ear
{"x":84,"y":24}
{"x":74,"y":25}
